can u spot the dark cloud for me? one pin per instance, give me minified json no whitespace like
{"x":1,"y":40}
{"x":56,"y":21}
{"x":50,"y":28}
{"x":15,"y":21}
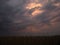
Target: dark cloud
{"x":16,"y":20}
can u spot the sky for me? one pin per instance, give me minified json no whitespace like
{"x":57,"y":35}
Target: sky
{"x":33,"y":18}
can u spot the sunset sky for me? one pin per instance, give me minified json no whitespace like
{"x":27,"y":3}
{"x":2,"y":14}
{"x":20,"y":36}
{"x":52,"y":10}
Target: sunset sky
{"x":31,"y":18}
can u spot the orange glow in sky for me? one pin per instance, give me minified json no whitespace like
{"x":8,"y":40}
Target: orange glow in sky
{"x":33,"y":5}
{"x":36,"y":12}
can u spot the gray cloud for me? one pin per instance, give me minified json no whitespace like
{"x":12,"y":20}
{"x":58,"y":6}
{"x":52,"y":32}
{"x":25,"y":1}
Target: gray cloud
{"x":14,"y":19}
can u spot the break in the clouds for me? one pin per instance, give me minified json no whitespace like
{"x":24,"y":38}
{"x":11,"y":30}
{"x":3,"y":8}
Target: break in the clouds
{"x":30,"y":17}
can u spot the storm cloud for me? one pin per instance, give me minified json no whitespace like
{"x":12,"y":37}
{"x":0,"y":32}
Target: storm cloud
{"x":17,"y":20}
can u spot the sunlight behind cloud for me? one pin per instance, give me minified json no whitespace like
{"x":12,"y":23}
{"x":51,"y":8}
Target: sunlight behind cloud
{"x":36,"y":12}
{"x":33,"y":5}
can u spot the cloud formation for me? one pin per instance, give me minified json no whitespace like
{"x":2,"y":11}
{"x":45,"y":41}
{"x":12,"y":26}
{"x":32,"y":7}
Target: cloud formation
{"x":32,"y":17}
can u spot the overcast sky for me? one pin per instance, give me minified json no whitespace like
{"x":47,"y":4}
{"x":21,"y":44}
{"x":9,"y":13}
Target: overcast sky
{"x":39,"y":19}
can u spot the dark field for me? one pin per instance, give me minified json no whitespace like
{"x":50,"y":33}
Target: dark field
{"x":31,"y":40}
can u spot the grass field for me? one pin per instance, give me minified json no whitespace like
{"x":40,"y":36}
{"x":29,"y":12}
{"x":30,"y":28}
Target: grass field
{"x":31,"y":40}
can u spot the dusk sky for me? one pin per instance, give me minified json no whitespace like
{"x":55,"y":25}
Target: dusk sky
{"x":30,"y":18}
